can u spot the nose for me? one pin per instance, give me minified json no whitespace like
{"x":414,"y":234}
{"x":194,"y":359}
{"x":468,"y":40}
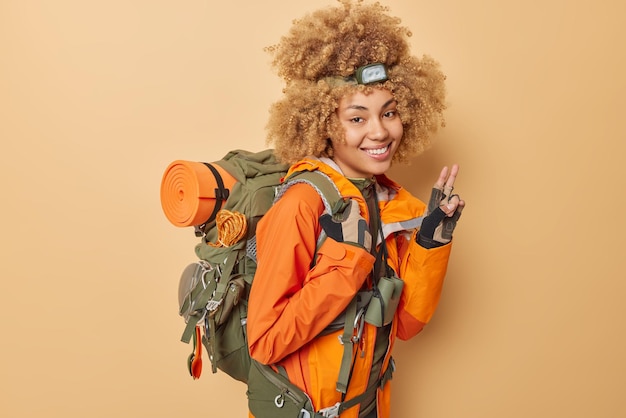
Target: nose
{"x":378,"y":131}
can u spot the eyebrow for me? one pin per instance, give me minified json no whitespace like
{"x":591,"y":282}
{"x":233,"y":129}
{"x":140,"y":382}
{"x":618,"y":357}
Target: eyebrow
{"x":359,"y":107}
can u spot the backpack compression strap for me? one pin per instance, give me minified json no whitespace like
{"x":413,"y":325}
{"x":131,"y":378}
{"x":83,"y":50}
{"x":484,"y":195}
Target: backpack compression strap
{"x":221,"y":192}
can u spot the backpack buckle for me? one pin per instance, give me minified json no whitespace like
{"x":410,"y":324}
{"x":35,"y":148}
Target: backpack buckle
{"x":331,"y":411}
{"x":212,"y":305}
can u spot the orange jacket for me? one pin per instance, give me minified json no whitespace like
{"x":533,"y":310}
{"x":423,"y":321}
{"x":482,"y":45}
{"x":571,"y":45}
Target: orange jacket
{"x":291,"y":303}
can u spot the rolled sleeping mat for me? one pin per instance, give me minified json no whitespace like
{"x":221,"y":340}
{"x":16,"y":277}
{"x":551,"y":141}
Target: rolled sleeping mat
{"x":192,"y":192}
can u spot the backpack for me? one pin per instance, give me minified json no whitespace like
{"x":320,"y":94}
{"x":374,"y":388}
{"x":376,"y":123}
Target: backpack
{"x":224,"y":202}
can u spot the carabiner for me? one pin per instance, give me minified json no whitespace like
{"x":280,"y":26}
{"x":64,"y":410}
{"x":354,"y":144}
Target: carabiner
{"x":359,"y":323}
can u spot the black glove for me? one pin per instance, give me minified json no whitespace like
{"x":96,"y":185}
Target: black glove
{"x":348,"y":226}
{"x":437,"y":226}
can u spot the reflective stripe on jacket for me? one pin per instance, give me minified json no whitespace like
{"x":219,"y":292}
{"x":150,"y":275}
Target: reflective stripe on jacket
{"x":291,"y":303}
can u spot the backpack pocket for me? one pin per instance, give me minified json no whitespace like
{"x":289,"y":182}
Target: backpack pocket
{"x":384,"y":302}
{"x":218,"y":304}
{"x":195,"y":288}
{"x":272,"y":395}
{"x":227,"y":339}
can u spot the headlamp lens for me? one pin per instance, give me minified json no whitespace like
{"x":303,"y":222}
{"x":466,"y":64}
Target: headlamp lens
{"x":371,"y":73}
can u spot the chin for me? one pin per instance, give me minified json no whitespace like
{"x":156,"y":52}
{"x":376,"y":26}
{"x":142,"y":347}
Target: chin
{"x":380,"y":169}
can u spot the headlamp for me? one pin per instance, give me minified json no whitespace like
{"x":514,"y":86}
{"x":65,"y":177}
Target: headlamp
{"x":367,"y":74}
{"x":371,"y":73}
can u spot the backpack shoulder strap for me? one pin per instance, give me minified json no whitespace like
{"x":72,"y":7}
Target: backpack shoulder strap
{"x":321,"y":182}
{"x":323,"y":185}
{"x":329,"y":193}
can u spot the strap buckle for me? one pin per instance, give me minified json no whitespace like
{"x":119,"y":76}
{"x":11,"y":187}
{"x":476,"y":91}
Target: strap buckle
{"x":212,"y":305}
{"x":331,"y":411}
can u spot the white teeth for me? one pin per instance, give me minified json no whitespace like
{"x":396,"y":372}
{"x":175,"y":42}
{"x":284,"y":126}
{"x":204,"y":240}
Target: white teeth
{"x":377,"y":151}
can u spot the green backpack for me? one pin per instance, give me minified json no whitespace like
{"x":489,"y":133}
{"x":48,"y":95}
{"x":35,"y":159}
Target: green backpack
{"x":213,"y":292}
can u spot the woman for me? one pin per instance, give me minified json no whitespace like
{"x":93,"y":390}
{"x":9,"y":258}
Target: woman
{"x":355,"y":101}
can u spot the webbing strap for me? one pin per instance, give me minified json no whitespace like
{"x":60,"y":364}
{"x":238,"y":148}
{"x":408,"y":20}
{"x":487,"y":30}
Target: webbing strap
{"x":360,"y":398}
{"x":347,"y":340}
{"x":221,"y":193}
{"x":220,"y":291}
{"x":225,"y":275}
{"x":211,"y":342}
{"x":189,"y":328}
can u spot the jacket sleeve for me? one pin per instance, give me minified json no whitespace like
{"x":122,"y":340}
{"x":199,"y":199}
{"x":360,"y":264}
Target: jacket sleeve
{"x":291,"y":303}
{"x":423,"y":271}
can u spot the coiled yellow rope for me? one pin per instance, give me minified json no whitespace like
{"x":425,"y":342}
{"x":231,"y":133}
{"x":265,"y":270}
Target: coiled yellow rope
{"x":231,"y":227}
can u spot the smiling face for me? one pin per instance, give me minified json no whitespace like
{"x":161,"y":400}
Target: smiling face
{"x":373,"y":131}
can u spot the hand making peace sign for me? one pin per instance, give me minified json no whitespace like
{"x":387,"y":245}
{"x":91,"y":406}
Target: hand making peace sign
{"x":443,"y":212}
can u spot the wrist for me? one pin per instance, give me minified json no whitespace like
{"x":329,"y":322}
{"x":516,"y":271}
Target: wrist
{"x":426,"y":242}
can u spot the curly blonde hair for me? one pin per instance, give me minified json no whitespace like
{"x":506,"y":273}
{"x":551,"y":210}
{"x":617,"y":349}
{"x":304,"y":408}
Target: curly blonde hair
{"x":335,"y":41}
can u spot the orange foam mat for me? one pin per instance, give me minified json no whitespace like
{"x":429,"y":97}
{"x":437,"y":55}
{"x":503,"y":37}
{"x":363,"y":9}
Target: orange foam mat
{"x":188,"y":192}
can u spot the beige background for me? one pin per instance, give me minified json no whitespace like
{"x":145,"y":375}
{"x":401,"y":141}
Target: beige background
{"x":97,"y":97}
